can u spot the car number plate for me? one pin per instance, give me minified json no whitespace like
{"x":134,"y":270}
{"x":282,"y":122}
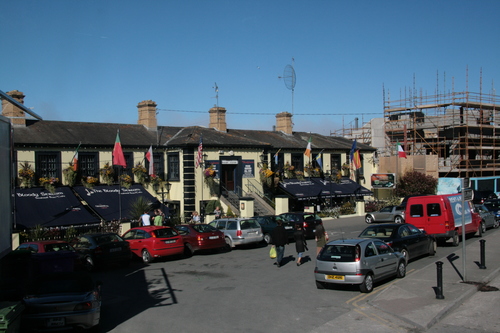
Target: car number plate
{"x":55,"y":322}
{"x":213,"y":237}
{"x":115,"y":249}
{"x":288,"y":227}
{"x":335,"y":277}
{"x":170,"y":241}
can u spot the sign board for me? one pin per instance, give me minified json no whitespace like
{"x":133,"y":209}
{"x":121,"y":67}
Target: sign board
{"x":383,"y":180}
{"x":468,"y":194}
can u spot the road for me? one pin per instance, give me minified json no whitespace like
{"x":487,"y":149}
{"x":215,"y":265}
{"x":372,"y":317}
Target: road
{"x":240,"y":290}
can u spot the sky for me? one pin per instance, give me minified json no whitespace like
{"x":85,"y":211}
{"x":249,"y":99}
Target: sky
{"x":95,"y":60}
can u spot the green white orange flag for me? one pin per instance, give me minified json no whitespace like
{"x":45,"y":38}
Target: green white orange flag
{"x":118,"y":157}
{"x":74,"y":161}
{"x":308,"y":148}
{"x":401,"y":152}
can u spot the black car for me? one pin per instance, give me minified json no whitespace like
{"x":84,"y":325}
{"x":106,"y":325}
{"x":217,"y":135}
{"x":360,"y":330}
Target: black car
{"x":309,"y":221}
{"x":101,"y":249}
{"x":480,"y":197}
{"x":404,"y":238}
{"x":269,"y":222}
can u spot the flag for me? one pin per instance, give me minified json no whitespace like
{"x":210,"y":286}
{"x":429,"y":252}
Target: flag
{"x":118,"y":158}
{"x":199,"y":156}
{"x":319,"y":161}
{"x":401,"y":152}
{"x":308,"y":148}
{"x":353,"y":150}
{"x":149,"y":157}
{"x":357,"y":160}
{"x":276,"y":159}
{"x":74,"y":161}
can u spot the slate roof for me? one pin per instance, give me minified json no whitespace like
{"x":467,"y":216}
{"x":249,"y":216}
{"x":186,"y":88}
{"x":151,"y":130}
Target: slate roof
{"x":70,"y":134}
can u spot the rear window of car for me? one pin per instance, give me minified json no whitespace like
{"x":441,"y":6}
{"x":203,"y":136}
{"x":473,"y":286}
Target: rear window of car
{"x":204,"y":228}
{"x":58,"y":247}
{"x":249,"y":224}
{"x":338,"y":253}
{"x":165,"y":232}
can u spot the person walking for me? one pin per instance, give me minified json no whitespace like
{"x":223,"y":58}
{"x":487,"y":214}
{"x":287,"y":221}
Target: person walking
{"x":158,"y":220}
{"x":279,"y":240}
{"x":300,"y":242}
{"x":321,"y":237}
{"x":146,"y":218}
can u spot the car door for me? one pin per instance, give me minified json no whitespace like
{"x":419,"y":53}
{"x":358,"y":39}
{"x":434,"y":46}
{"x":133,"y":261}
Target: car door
{"x":386,"y":263}
{"x":385,"y":214}
{"x":420,"y":240}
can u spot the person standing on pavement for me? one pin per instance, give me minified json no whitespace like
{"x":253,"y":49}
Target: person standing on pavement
{"x":300,"y":242}
{"x":217,"y":213}
{"x":321,"y":237}
{"x":158,"y":220}
{"x":279,"y":240}
{"x":146,"y":219}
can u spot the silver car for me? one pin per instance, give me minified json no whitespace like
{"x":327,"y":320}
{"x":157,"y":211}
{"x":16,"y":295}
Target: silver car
{"x":239,"y":231}
{"x":357,"y":261}
{"x":394,"y":214}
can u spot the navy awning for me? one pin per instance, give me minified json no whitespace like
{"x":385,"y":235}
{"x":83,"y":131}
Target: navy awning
{"x":37,"y":206}
{"x":314,"y":188}
{"x":106,"y":200}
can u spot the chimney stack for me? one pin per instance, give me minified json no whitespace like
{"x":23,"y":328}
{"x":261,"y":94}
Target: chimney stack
{"x":284,"y":122}
{"x":218,"y":118}
{"x":16,"y":115}
{"x":147,"y":114}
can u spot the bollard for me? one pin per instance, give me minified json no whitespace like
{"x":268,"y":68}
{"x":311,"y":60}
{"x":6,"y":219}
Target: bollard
{"x":482,"y":265}
{"x":439,"y":288}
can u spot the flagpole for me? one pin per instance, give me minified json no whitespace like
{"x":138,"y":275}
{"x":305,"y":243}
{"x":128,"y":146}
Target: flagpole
{"x":120,"y":194}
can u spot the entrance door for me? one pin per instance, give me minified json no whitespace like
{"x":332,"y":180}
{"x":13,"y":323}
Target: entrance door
{"x":228,"y":176}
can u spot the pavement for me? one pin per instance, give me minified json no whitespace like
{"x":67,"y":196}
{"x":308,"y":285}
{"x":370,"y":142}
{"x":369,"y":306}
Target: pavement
{"x":412,"y":305}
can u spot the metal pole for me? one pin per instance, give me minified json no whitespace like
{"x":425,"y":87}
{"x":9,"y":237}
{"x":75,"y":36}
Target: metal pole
{"x":483,"y":260}
{"x":463,"y":230}
{"x":439,"y":288}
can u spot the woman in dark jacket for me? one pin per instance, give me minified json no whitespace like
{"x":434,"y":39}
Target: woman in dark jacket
{"x":300,"y":242}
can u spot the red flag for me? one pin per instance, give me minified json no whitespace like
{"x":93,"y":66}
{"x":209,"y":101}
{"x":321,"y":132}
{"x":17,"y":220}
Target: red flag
{"x":401,"y":152}
{"x":149,"y":157}
{"x":199,"y":156}
{"x":357,"y":160}
{"x":118,"y":158}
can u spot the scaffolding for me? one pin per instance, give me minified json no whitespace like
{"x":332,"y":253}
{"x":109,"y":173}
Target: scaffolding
{"x":461,"y":128}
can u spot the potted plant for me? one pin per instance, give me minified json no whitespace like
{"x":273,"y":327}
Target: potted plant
{"x":107,"y":173}
{"x":70,"y":175}
{"x":140,"y":173}
{"x":90,"y":182}
{"x":126,"y":181}
{"x":49,"y":183}
{"x":26,"y":175}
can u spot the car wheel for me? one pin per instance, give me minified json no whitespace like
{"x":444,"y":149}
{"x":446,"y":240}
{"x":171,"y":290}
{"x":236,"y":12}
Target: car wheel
{"x":496,"y":224}
{"x":188,"y":250}
{"x":229,"y":244}
{"x":405,"y":254}
{"x":432,"y":248}
{"x":455,"y":240}
{"x":401,"y":272}
{"x":482,"y":229}
{"x":267,"y":238}
{"x":320,"y":285}
{"x":369,"y":219}
{"x":146,"y":256}
{"x":89,"y":264}
{"x":367,"y":285}
{"x":398,"y":219}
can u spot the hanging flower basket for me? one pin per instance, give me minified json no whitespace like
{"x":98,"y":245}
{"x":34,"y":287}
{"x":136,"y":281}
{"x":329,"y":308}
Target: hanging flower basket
{"x":26,"y":175}
{"x":155,"y":181}
{"x":289,"y":170}
{"x":266,"y":175}
{"x":126,"y":181}
{"x":49,"y":183}
{"x":69,"y":174}
{"x":299,"y":174}
{"x":107,"y":174}
{"x":90,"y":182}
{"x":140,"y":173}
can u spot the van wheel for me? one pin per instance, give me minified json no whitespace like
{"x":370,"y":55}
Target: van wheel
{"x":367,"y":285}
{"x":455,"y":240}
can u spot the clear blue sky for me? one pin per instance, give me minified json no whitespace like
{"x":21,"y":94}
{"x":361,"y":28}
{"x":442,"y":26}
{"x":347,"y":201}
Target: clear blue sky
{"x":96,"y":60}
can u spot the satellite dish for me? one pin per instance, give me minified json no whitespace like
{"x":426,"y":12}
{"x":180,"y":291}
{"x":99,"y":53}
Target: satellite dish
{"x":289,"y":78}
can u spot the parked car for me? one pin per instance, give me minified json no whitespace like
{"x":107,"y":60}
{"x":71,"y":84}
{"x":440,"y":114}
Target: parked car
{"x":100,"y":249}
{"x":493,"y":205}
{"x":404,"y":238}
{"x":309,"y":221}
{"x":62,"y":301}
{"x":394,"y":214}
{"x":357,"y":262}
{"x":239,"y":231}
{"x":269,"y":222}
{"x":480,"y":197}
{"x":488,"y":217}
{"x":150,"y":242}
{"x":46,"y":246}
{"x":197,"y":237}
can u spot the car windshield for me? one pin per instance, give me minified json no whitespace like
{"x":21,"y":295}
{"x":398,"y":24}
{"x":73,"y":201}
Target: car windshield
{"x":204,"y":228}
{"x":377,"y":232}
{"x":58,"y":247}
{"x":164,"y":232}
{"x":338,"y":253}
{"x":63,"y":283}
{"x":249,"y":224}
{"x":107,"y":238}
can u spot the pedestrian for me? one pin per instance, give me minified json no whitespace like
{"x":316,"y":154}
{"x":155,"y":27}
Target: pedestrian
{"x":217,"y":212}
{"x":321,"y":237}
{"x":158,"y":220}
{"x":195,"y":217}
{"x":279,"y":240}
{"x":300,"y":242}
{"x":146,"y":218}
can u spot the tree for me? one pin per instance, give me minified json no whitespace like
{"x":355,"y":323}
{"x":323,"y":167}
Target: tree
{"x":414,"y":183}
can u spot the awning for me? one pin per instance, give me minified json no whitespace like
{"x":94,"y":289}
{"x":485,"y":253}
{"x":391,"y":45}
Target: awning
{"x":314,"y":188}
{"x":37,"y":206}
{"x":107,"y":200}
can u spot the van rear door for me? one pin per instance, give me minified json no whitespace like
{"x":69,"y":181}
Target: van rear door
{"x":427,"y":213}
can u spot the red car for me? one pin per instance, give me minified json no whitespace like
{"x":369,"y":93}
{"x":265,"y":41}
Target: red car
{"x":50,"y":256}
{"x":200,"y":237}
{"x":46,"y":246}
{"x":150,"y":242}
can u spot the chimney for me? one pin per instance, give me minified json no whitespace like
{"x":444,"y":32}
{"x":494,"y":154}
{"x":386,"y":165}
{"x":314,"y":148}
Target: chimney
{"x":16,"y":115}
{"x":218,"y":118}
{"x":147,"y":114}
{"x":284,"y":122}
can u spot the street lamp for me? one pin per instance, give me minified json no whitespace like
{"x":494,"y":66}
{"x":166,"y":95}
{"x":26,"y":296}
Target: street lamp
{"x":162,"y":189}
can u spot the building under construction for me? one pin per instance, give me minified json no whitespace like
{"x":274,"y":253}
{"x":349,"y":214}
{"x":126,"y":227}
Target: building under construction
{"x":461,"y":128}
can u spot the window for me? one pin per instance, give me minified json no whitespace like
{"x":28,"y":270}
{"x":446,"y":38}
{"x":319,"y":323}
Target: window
{"x":335,"y":162}
{"x":382,"y":247}
{"x":88,"y":165}
{"x":129,"y":160}
{"x":416,"y":210}
{"x":298,"y":161}
{"x":370,"y":250}
{"x":48,"y":164}
{"x":173,"y":166}
{"x":433,"y":209}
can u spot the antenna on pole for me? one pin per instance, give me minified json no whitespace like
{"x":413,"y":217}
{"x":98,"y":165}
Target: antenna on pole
{"x":216,"y":93}
{"x":289,"y":78}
